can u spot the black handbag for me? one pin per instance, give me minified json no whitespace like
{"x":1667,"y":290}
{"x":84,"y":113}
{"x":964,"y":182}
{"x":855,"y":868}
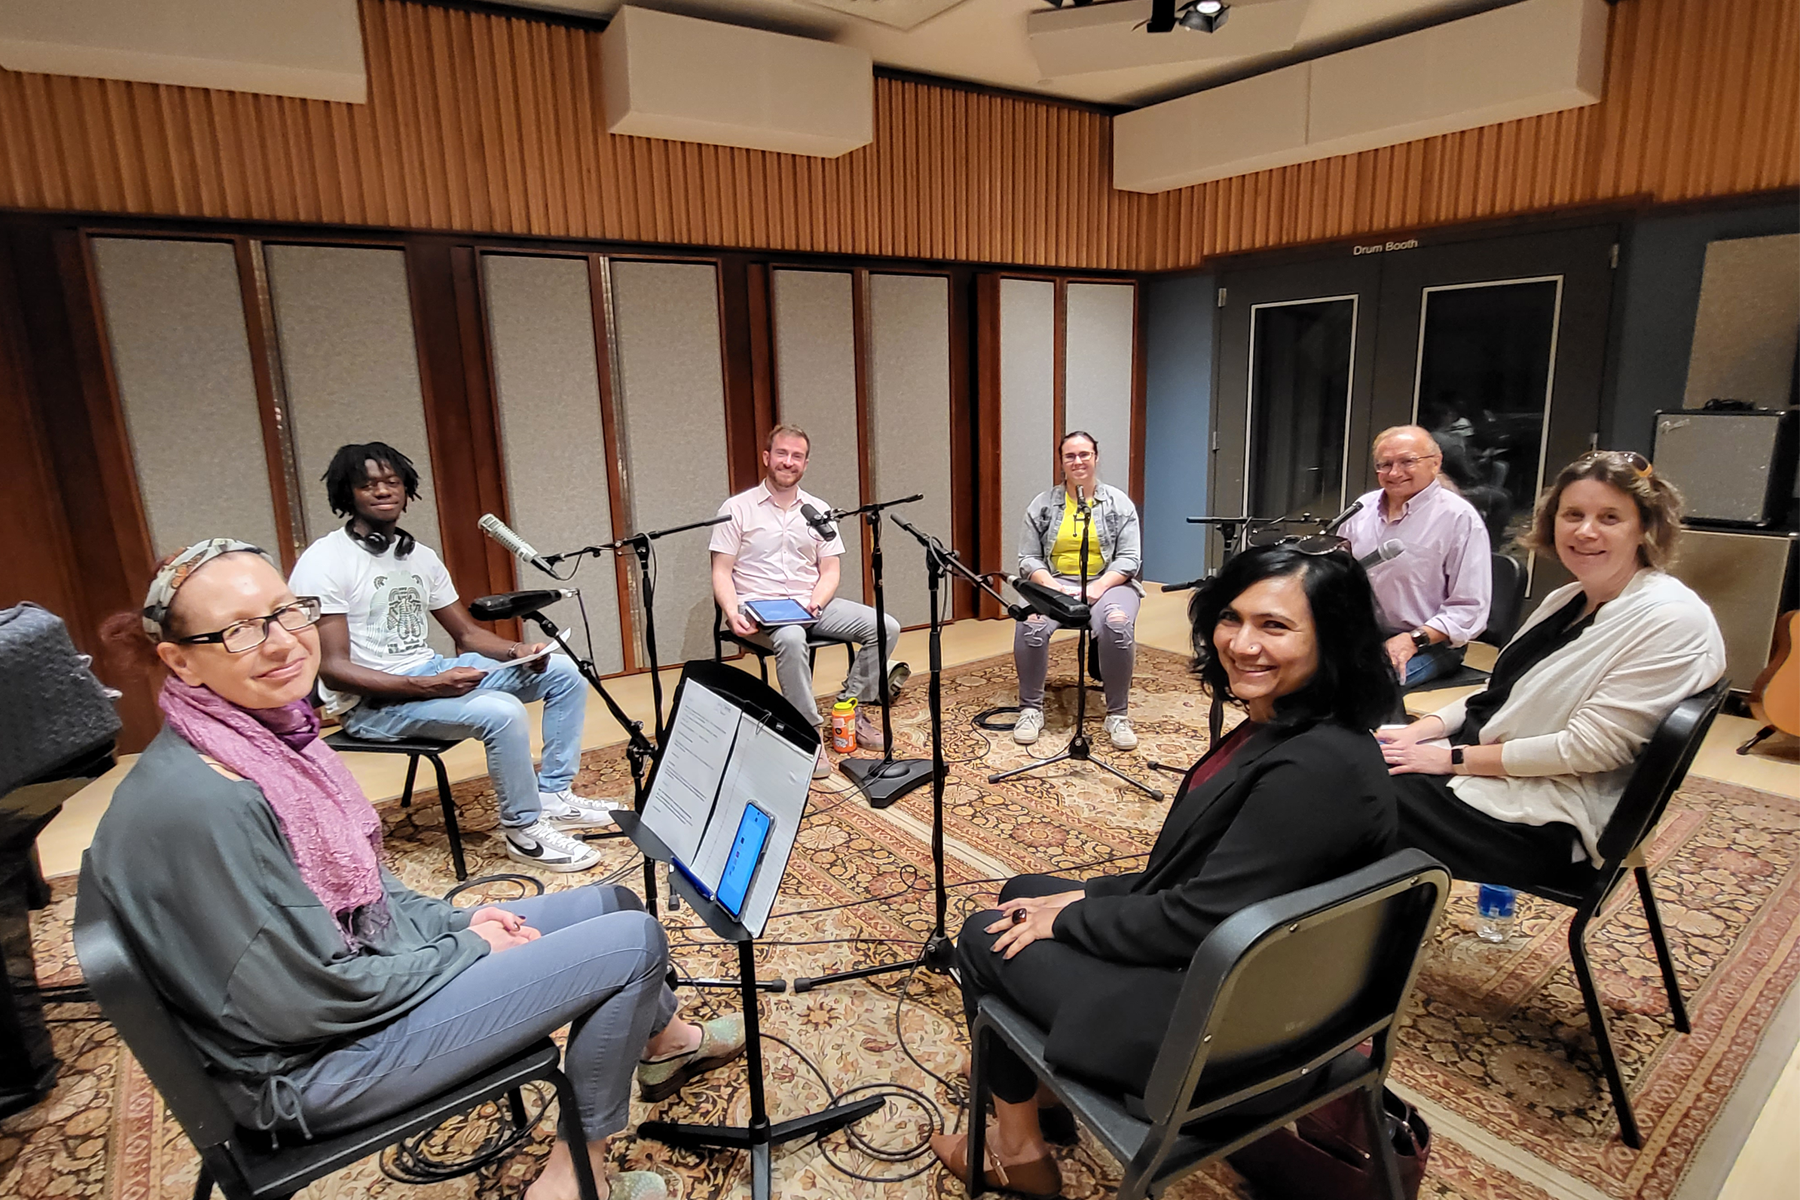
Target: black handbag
{"x":1326,"y":1153}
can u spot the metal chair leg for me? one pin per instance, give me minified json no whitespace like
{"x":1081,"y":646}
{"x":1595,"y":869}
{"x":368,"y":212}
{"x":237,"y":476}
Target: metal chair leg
{"x":1609,"y":1063}
{"x":1677,"y":1008}
{"x":1384,"y":1145}
{"x":515,"y":1102}
{"x":203,"y":1186}
{"x":568,"y":1125}
{"x":451,"y":831}
{"x":978,"y":1102}
{"x":412,"y":773}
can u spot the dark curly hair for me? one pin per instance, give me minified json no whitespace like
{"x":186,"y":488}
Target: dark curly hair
{"x":349,"y":471}
{"x":1355,"y":683}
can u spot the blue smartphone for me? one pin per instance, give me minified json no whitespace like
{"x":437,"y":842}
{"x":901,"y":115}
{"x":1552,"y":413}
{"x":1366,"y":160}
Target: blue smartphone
{"x":746,"y":855}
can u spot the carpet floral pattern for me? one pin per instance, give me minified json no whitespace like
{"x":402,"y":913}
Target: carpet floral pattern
{"x":1497,"y":1036}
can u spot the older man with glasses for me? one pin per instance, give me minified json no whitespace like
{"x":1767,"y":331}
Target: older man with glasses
{"x":1434,"y":597}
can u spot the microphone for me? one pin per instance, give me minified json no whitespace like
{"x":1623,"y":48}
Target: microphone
{"x":1081,"y":500}
{"x":517,"y":604}
{"x":1355,"y":507}
{"x":821,"y":524}
{"x":513,"y":544}
{"x":1392,"y":548}
{"x":1182,"y":587}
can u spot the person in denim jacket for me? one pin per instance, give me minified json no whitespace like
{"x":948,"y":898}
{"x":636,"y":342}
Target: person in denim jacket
{"x":1050,"y":545}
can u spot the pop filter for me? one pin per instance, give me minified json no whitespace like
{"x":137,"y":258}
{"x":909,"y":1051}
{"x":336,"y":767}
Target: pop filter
{"x":517,"y":604}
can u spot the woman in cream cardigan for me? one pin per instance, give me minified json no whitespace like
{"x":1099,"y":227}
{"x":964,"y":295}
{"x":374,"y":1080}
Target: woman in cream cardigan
{"x":1535,"y":763}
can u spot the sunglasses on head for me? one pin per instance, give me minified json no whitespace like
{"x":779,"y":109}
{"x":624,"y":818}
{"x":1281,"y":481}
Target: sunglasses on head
{"x":1640,"y":466}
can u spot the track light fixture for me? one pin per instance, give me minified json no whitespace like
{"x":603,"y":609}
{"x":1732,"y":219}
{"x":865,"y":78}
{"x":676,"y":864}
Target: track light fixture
{"x":1204,"y":16}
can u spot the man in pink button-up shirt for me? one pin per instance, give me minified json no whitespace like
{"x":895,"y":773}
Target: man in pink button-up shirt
{"x":768,"y":551}
{"x":1434,"y":596}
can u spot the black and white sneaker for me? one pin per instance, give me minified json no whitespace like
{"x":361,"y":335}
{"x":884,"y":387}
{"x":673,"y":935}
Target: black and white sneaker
{"x":543,"y":845}
{"x":567,"y":811}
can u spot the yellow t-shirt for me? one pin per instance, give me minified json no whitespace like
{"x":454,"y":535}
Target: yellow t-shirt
{"x":1065,"y":552}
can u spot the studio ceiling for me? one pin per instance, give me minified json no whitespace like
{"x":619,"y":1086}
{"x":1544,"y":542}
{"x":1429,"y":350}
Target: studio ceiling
{"x":1091,"y":54}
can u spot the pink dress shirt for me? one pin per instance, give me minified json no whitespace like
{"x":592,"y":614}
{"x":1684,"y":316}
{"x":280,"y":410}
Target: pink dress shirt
{"x":1445,"y":579}
{"x":777,"y":552}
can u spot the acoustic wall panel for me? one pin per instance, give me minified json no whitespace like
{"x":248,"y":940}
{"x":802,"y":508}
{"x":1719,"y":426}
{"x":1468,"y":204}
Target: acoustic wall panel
{"x":1097,"y":376}
{"x":671,"y":396}
{"x":547,"y":390}
{"x":815,"y":388}
{"x":350,"y":366}
{"x":1027,"y":400}
{"x":909,"y":427}
{"x":175,"y":323}
{"x":1745,"y":331}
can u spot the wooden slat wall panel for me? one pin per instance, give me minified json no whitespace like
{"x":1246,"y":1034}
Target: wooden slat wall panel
{"x":481,"y":123}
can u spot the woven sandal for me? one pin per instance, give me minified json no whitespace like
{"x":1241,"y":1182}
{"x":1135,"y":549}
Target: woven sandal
{"x":721,"y":1040}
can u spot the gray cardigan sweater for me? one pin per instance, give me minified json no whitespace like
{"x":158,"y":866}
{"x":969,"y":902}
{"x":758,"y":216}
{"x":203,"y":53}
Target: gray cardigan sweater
{"x":245,"y":955}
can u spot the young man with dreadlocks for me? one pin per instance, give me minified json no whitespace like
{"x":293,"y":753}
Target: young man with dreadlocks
{"x":383,"y":682}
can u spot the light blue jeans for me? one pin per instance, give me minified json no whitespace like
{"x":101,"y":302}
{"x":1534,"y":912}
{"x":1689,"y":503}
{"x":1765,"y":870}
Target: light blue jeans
{"x":495,"y":713}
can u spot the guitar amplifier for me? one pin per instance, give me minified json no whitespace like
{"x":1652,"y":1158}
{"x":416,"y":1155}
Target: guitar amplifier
{"x":1733,"y":467}
{"x":1746,"y":579}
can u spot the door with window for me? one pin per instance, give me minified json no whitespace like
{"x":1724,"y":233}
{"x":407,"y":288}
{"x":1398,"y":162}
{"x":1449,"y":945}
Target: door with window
{"x":1496,"y":345}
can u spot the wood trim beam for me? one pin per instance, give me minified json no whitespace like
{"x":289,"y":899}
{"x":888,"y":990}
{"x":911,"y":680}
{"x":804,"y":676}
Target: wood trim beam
{"x":965,"y":438}
{"x":990,"y":522}
{"x":1139,"y":399}
{"x":606,"y":357}
{"x":271,"y":400}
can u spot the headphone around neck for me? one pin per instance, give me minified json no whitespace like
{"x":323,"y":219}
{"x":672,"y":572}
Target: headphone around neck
{"x":376,"y":542}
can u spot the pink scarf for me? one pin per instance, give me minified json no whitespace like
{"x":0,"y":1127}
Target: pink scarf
{"x":331,"y":828}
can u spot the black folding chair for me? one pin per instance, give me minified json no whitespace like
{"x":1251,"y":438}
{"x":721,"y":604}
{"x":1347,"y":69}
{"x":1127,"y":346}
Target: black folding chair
{"x":1279,"y":996}
{"x":245,"y":1164}
{"x":1505,"y":611}
{"x":414,"y":748}
{"x":1661,"y":767}
{"x":722,"y":633}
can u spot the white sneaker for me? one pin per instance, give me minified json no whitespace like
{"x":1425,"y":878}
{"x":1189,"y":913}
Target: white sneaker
{"x":565,"y":810}
{"x":544,"y":845}
{"x":1028,"y":726}
{"x":1118,"y":728}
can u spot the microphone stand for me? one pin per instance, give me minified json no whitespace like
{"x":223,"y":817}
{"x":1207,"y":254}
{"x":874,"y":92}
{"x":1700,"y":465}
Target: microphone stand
{"x":1079,"y":748}
{"x":890,"y":778}
{"x":640,"y":544}
{"x":940,"y":948}
{"x":638,"y":750}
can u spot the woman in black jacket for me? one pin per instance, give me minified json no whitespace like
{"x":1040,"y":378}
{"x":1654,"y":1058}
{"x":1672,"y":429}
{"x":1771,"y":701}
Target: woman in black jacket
{"x":1296,"y":795}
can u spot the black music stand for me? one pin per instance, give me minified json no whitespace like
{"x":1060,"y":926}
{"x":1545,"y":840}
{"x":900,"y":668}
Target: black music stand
{"x":1079,"y":748}
{"x":760,"y":1135}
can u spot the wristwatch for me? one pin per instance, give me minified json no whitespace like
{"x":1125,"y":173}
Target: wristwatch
{"x":1456,"y":759}
{"x":1421,"y":640}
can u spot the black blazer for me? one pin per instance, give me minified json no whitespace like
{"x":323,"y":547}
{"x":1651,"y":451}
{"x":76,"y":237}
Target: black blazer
{"x":1292,"y":808}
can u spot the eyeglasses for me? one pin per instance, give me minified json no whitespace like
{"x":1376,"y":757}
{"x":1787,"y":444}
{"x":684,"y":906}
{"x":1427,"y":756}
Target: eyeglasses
{"x":1639,"y":465}
{"x":1384,"y":465}
{"x":1320,"y":544}
{"x":240,"y":637}
{"x":1078,"y":456}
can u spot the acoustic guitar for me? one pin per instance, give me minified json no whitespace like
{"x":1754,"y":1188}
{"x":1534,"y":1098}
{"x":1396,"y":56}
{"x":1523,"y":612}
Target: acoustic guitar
{"x":1775,"y":696}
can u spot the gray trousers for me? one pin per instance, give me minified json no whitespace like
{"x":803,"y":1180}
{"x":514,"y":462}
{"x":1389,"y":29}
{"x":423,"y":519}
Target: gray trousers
{"x":599,"y":967}
{"x":840,"y":621}
{"x":1114,"y":623}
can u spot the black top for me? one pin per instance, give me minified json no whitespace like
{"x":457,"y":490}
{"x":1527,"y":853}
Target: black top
{"x":1290,"y":808}
{"x":1520,"y":655}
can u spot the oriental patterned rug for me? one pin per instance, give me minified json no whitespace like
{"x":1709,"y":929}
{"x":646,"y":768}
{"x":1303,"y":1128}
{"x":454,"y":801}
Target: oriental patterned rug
{"x":1496,"y":1049}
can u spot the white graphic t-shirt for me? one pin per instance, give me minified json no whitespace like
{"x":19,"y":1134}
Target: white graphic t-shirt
{"x":386,"y":600}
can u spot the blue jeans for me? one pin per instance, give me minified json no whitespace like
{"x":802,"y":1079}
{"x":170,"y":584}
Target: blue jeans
{"x":495,"y":713}
{"x":1440,"y":660}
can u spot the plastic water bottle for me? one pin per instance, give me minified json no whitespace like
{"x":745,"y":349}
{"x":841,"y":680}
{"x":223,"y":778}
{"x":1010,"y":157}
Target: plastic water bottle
{"x":1494,"y":912}
{"x":843,"y":726}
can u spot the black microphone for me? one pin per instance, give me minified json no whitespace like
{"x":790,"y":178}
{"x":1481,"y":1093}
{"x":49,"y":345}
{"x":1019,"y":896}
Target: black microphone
{"x":1182,"y":587}
{"x":1355,"y":507}
{"x":515,"y":545}
{"x":820,"y":523}
{"x":517,"y":604}
{"x":1392,"y":548}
